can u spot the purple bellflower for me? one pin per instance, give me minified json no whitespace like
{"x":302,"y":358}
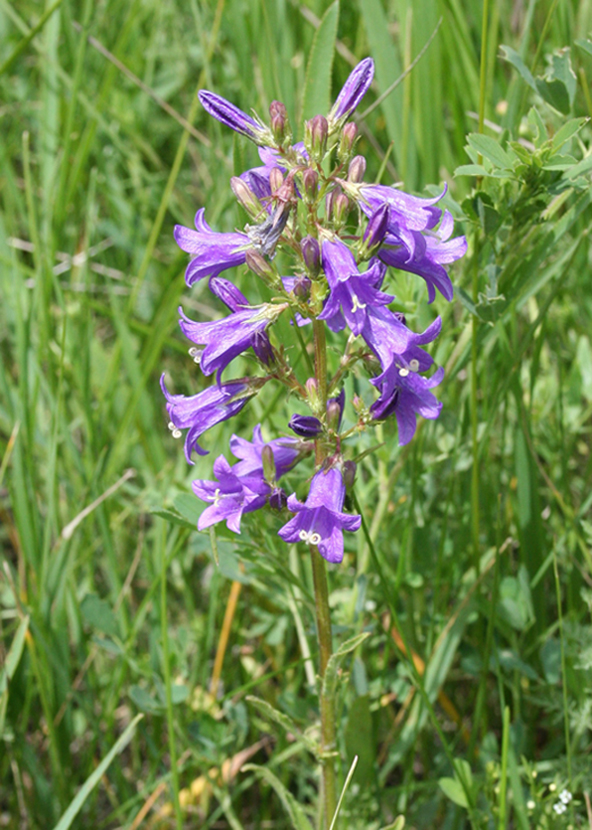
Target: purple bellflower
{"x":230,"y":496}
{"x":320,"y":520}
{"x":227,"y":338}
{"x":352,"y":93}
{"x":213,"y":252}
{"x":198,"y":413}
{"x":233,"y":117}
{"x":403,"y":391}
{"x":431,"y":252}
{"x":286,"y":453}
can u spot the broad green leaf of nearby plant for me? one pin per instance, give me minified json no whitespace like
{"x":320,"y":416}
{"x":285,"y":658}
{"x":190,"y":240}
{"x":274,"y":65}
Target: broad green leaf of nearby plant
{"x":317,"y":86}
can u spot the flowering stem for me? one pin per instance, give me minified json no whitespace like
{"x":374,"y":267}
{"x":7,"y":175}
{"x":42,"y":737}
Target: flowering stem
{"x":323,"y":614}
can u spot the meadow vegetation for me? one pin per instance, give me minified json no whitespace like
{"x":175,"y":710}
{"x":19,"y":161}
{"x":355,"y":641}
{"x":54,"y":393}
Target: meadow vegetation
{"x":469,"y":703}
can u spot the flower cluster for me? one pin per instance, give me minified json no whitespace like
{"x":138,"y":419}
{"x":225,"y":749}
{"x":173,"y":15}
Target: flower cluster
{"x":310,"y":199}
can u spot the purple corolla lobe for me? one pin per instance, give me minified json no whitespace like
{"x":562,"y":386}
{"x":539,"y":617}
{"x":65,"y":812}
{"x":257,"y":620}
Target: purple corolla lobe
{"x":230,"y":496}
{"x":198,"y":413}
{"x":233,"y":117}
{"x":352,"y":92}
{"x":213,"y":252}
{"x":320,"y":520}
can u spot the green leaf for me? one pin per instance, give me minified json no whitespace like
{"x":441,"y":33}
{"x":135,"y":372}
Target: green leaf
{"x":145,"y":701}
{"x":398,"y":824}
{"x":188,"y":507}
{"x":283,"y":720}
{"x":510,"y":55}
{"x":554,"y":92}
{"x":359,"y":739}
{"x":317,"y":85}
{"x":491,"y":150}
{"x":569,"y":129}
{"x":471,"y":170}
{"x":453,"y":790}
{"x":14,"y":654}
{"x":173,"y":518}
{"x":586,"y":45}
{"x":581,"y":167}
{"x":98,"y":613}
{"x":330,"y":679}
{"x":294,"y":810}
{"x":91,"y":782}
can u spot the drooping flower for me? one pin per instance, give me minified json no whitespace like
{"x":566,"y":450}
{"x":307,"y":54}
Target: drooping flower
{"x":233,"y":117}
{"x":320,"y":520}
{"x":352,"y":92}
{"x":403,"y":391}
{"x":431,"y":251}
{"x":230,"y":496}
{"x":286,"y":453}
{"x":213,"y":252}
{"x":405,"y":210}
{"x":227,"y":338}
{"x":198,"y":413}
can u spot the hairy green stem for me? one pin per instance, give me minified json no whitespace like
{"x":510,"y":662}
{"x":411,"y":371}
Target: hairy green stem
{"x":323,"y":614}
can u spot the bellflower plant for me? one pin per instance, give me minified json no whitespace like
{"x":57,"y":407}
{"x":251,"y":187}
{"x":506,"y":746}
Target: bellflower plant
{"x":309,"y":200}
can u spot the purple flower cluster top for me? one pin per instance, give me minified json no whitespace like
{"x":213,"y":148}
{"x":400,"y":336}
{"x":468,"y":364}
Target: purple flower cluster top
{"x":342,"y":234}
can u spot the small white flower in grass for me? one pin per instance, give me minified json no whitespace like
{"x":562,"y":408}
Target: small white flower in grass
{"x":565,"y":796}
{"x":530,"y":804}
{"x":559,"y":808}
{"x":552,"y":788}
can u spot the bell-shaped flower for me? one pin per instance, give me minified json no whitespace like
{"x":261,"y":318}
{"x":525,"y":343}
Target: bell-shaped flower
{"x":405,"y":211}
{"x":431,"y":251}
{"x":198,"y":413}
{"x":230,"y":496}
{"x":320,"y":520}
{"x":233,"y":117}
{"x":403,"y":391}
{"x":286,"y":453}
{"x":227,"y":338}
{"x":352,"y":93}
{"x":213,"y":252}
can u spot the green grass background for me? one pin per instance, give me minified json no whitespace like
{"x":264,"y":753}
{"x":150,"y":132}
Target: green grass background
{"x":490,"y":577}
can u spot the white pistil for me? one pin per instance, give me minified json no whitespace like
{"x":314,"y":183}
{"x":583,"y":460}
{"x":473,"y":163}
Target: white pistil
{"x":176,"y":433}
{"x":356,"y":304}
{"x":217,"y":497}
{"x":414,"y":365}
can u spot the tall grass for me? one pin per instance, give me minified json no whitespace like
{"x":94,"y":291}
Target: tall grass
{"x":111,"y":604}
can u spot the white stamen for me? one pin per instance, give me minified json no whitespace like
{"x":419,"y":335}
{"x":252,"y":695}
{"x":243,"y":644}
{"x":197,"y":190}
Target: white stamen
{"x":414,"y":365}
{"x":356,"y":304}
{"x":403,"y":372}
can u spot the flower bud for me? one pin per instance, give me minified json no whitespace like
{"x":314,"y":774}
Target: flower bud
{"x":246,"y":197}
{"x":260,"y":266}
{"x":329,"y":202}
{"x":276,"y":179}
{"x":316,"y":131}
{"x":280,"y":125}
{"x":302,"y":287}
{"x":349,"y":474}
{"x":340,"y":209}
{"x":268,"y":462}
{"x":311,"y":255}
{"x":347,"y":141}
{"x":310,"y":180}
{"x":306,"y":426}
{"x":357,"y":169}
{"x":333,"y":415}
{"x":263,"y":348}
{"x":375,"y":231}
{"x":312,"y":394}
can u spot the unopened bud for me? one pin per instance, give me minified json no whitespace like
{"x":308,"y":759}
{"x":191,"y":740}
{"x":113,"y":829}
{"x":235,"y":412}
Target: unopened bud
{"x":375,"y":231}
{"x":280,"y":125}
{"x":312,"y":394}
{"x":306,"y":426}
{"x":302,"y":287}
{"x":357,"y":169}
{"x":263,"y":348}
{"x":349,"y":474}
{"x":310,"y":180}
{"x":276,"y":179}
{"x":347,"y":141}
{"x":260,"y":266}
{"x":311,"y":255}
{"x":340,"y":209}
{"x":333,"y":415}
{"x":268,"y":462}
{"x":329,"y":203}
{"x":316,"y":132}
{"x":246,"y":197}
